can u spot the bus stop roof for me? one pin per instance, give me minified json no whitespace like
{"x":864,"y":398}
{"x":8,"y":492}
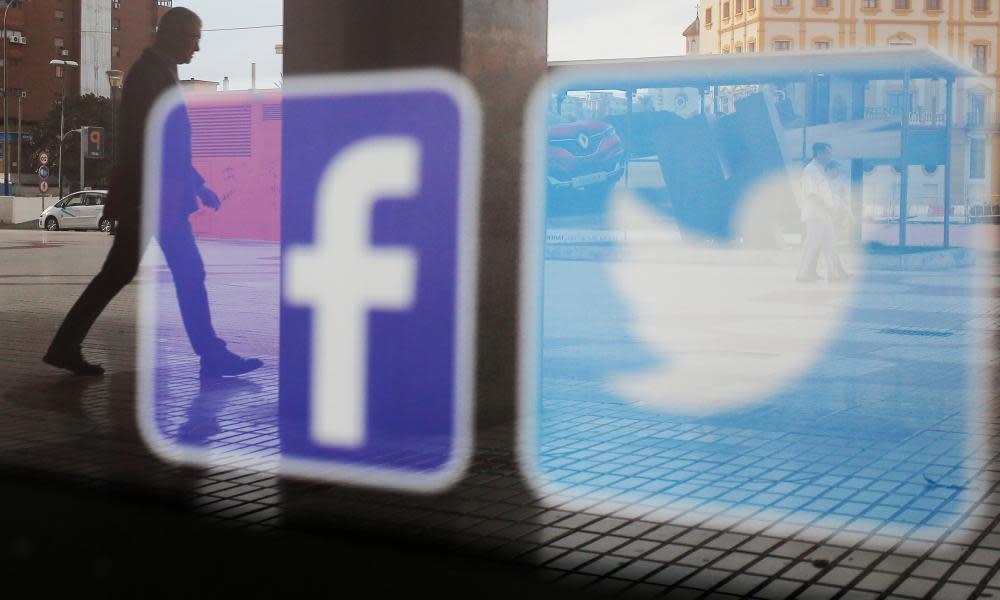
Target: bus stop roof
{"x":704,"y":70}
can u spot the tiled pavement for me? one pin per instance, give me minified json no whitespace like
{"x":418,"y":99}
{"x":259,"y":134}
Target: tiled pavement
{"x":83,"y":432}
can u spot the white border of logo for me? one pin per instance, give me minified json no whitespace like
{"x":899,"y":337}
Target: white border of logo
{"x":531,"y":279}
{"x":409,"y":81}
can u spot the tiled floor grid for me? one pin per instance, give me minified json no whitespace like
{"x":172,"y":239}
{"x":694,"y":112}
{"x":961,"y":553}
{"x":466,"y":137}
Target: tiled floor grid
{"x":84,"y":432}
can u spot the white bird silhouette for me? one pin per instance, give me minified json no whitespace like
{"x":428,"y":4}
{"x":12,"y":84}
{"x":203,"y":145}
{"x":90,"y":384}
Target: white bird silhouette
{"x":732,"y":326}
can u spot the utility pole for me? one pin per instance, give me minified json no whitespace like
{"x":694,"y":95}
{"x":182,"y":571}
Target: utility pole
{"x":61,"y":66}
{"x":6,"y":155}
{"x":83,"y":153}
{"x":20,"y":96}
{"x":62,"y":126}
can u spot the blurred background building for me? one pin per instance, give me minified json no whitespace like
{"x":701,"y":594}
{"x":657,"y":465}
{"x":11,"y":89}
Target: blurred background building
{"x":98,"y":34}
{"x":966,"y":30}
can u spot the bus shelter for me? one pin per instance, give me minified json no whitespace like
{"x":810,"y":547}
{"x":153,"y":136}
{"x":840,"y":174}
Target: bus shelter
{"x":761,"y":113}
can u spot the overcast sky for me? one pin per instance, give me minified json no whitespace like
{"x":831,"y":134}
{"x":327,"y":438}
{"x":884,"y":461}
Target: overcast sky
{"x":586,"y":29}
{"x":578,"y":29}
{"x":231,"y":52}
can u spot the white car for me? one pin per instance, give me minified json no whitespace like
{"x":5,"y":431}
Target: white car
{"x":80,"y":210}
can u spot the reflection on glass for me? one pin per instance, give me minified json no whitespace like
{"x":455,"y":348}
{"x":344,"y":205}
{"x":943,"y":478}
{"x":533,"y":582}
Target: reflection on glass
{"x":731,"y":327}
{"x":340,"y":254}
{"x":233,"y":140}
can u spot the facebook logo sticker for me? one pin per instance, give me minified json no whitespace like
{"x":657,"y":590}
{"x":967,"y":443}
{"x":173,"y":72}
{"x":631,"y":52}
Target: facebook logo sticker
{"x":377,"y":294}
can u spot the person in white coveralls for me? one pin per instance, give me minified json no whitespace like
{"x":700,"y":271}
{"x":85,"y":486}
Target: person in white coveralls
{"x":818,"y":205}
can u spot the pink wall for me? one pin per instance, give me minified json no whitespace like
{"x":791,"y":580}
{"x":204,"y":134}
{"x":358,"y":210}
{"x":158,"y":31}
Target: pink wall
{"x":236,"y":142}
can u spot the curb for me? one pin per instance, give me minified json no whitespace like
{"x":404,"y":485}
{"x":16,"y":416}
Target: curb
{"x":924,"y":260}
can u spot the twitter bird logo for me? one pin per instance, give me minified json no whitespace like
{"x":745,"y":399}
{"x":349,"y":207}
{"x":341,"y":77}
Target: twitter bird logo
{"x":730,"y":326}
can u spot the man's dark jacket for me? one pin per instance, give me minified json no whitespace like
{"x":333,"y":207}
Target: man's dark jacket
{"x":152,"y":75}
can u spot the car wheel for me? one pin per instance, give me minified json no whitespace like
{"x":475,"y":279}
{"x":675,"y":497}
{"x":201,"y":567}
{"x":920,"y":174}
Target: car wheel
{"x":51,"y":224}
{"x":104,"y":225}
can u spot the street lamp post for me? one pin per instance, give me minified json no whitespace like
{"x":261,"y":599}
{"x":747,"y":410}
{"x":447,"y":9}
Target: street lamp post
{"x":21,"y":94}
{"x":62,"y":112}
{"x":116,"y":79}
{"x":6,"y":155}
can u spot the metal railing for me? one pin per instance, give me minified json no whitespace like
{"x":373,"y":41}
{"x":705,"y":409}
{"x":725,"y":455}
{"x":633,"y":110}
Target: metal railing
{"x":920,"y":118}
{"x":984,"y":211}
{"x":926,"y":118}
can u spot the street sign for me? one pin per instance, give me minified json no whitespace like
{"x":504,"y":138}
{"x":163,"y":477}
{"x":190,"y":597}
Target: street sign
{"x":43,"y":186}
{"x":95,"y":142}
{"x":43,"y":158}
{"x":375,"y":294}
{"x":43,"y":172}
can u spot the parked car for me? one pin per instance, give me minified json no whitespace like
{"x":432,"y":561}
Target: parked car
{"x":79,"y":210}
{"x":584,"y":155}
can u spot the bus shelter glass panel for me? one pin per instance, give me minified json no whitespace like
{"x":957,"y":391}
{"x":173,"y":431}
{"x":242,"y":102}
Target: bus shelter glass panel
{"x":708,"y":334}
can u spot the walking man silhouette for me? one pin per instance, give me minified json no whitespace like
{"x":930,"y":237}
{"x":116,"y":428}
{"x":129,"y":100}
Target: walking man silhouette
{"x":177,"y":38}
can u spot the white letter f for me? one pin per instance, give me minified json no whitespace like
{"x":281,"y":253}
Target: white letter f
{"x":342,"y":277}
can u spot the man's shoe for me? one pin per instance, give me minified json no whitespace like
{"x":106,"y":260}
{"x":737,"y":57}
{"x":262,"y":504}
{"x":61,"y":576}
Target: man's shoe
{"x":73,"y":362}
{"x":227,"y":364}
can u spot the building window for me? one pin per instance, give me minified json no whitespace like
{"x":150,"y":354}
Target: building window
{"x":977,"y":110}
{"x":739,"y":6}
{"x":981,"y":5}
{"x":751,"y":46}
{"x":116,"y":51}
{"x":822,"y":3}
{"x":738,"y":49}
{"x":751,"y":5}
{"x":822,"y":44}
{"x":60,"y":43}
{"x":116,"y":24}
{"x":933,"y":5}
{"x":782,"y":45}
{"x":708,"y":17}
{"x":980,"y":57}
{"x":116,"y":4}
{"x":725,"y":10}
{"x":977,"y":159}
{"x":901,"y":4}
{"x":60,"y":15}
{"x":783,"y":3}
{"x":873,"y":4}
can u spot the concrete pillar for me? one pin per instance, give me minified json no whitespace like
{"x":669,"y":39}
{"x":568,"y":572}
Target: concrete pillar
{"x":504,"y":54}
{"x":351,"y":35}
{"x":501,"y":46}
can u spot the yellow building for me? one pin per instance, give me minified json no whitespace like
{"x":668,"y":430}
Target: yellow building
{"x":966,"y":30}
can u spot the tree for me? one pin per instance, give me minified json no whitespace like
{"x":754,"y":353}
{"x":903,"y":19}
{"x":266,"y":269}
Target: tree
{"x":86,"y":111}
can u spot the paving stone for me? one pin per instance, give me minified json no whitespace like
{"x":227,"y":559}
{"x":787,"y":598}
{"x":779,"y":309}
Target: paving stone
{"x":88,"y":433}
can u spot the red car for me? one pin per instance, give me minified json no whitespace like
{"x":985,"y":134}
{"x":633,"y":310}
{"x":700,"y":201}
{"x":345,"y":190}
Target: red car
{"x":584,"y":155}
